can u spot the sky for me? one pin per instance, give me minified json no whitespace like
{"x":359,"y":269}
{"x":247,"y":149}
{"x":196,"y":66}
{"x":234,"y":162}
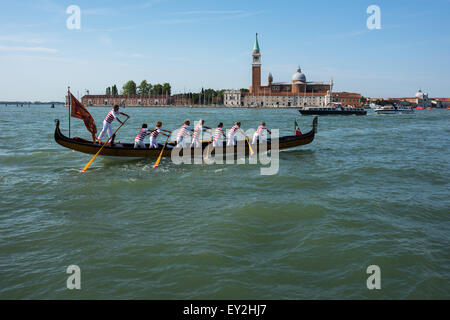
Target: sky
{"x":208,"y":43}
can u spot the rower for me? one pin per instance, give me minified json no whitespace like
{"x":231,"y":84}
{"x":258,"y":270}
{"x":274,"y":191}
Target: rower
{"x":182,"y":134}
{"x":218,"y":134}
{"x":113,"y":114}
{"x":153,"y":143}
{"x":139,"y":140}
{"x":259,"y":132}
{"x":197,"y":134}
{"x":232,"y":133}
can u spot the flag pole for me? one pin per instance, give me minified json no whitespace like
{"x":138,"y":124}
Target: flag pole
{"x":69,"y":106}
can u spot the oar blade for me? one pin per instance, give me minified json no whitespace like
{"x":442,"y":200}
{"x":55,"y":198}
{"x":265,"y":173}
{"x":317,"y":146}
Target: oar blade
{"x":98,"y":152}
{"x":250,"y":146}
{"x":160,"y":155}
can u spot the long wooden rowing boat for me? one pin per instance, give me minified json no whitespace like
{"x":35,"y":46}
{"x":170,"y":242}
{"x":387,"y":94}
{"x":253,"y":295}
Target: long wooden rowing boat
{"x":127,"y":150}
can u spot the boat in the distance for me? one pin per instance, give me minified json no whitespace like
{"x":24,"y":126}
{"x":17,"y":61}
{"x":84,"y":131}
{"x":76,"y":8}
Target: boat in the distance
{"x":332,"y":109}
{"x":391,"y":109}
{"x":127,"y":151}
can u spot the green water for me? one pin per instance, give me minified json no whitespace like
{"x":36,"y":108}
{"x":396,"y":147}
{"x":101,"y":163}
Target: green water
{"x":369,"y":190}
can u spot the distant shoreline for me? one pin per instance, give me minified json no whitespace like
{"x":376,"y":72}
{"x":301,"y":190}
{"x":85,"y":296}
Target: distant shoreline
{"x":29,"y":102}
{"x":194,"y":106}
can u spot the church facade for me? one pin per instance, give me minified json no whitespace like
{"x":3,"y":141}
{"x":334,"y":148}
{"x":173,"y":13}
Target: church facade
{"x":295,"y":93}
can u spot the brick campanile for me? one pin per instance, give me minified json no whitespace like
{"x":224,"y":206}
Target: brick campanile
{"x":256,"y":68}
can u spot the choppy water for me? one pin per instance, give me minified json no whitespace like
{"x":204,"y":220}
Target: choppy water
{"x":369,"y":190}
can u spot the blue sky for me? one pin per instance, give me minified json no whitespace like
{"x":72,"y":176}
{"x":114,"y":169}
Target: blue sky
{"x":208,"y":43}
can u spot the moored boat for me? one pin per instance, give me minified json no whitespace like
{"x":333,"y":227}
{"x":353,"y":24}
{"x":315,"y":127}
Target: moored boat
{"x":390,"y":109}
{"x":332,"y":109}
{"x":128,"y":152}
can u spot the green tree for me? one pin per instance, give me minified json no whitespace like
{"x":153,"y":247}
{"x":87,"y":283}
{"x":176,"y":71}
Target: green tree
{"x":157,"y":89}
{"x":143,"y":87}
{"x":166,"y":88}
{"x":129,"y":87}
{"x":108,"y":91}
{"x":114,"y":90}
{"x":244,"y":90}
{"x":363,"y":100}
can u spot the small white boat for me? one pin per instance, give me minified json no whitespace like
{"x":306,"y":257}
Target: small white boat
{"x":385,"y":109}
{"x":403,"y":109}
{"x":390,"y":109}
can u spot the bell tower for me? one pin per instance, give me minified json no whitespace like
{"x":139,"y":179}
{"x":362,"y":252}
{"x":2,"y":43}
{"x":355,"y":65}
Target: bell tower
{"x":256,"y":68}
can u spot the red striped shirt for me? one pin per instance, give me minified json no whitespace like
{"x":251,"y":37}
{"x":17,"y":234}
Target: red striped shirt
{"x":155,"y":133}
{"x":233,"y":130}
{"x":260,"y":129}
{"x":197,"y":131}
{"x":141,"y":135}
{"x":184,"y":130}
{"x":218,"y":134}
{"x":111,"y":116}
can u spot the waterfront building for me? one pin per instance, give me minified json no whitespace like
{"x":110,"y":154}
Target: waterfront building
{"x":295,"y":93}
{"x":134,"y":100}
{"x":420,"y":99}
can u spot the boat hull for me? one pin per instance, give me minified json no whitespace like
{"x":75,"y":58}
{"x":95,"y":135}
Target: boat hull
{"x":330,"y":113}
{"x":128,"y":152}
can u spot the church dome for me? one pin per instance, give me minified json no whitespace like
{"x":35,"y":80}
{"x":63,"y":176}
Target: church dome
{"x":419,"y":94}
{"x":299,"y":76}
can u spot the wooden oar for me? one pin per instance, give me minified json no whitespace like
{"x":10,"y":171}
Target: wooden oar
{"x":207,"y":149}
{"x":98,"y":152}
{"x":160,"y":155}
{"x":249,"y":146}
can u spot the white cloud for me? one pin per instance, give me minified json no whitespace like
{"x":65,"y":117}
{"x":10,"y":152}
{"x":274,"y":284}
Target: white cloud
{"x":28,"y":49}
{"x":210,"y":12}
{"x":21,"y":38}
{"x":99,"y":12}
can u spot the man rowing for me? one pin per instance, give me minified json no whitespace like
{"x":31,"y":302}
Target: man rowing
{"x":139,"y":140}
{"x":113,"y":114}
{"x":154,"y":135}
{"x":218,"y":135}
{"x":198,"y":133}
{"x":183,"y":133}
{"x":232,"y":134}
{"x":259,"y":132}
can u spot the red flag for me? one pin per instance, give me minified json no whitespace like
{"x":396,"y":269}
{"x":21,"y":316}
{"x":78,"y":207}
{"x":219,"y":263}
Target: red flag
{"x":298,"y":133}
{"x":80,"y":112}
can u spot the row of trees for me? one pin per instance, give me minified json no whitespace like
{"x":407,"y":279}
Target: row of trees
{"x":144,"y":88}
{"x":112,"y":91}
{"x":205,"y":96}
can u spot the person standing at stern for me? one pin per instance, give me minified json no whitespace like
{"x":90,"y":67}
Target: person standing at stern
{"x":113,"y":114}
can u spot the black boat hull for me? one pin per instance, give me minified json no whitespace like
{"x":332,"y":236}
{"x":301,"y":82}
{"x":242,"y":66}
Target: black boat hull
{"x":331,"y":113}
